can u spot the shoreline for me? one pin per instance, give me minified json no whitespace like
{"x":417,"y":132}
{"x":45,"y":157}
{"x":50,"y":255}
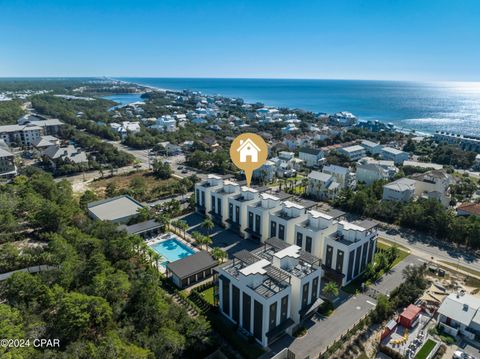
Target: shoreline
{"x":403,"y":130}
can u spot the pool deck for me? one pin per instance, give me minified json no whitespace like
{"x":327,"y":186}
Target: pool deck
{"x":165,"y":237}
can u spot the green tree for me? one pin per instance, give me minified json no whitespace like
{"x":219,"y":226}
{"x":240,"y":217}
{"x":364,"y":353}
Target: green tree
{"x":219,"y":254}
{"x":208,"y":224}
{"x":331,"y":289}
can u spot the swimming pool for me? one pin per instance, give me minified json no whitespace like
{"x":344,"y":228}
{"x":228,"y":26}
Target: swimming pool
{"x":172,"y":250}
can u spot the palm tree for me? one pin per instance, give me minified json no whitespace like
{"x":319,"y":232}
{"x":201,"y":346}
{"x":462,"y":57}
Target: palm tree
{"x":208,"y":224}
{"x":219,"y":254}
{"x":207,"y":241}
{"x":181,"y":224}
{"x":331,"y":289}
{"x":164,"y":219}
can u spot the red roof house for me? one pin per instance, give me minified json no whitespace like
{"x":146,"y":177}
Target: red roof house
{"x":409,"y":316}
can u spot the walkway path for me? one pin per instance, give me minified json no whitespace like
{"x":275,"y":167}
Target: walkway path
{"x":33,"y":269}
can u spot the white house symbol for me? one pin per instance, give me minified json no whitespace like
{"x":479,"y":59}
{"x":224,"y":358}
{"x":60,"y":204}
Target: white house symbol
{"x":248,"y":148}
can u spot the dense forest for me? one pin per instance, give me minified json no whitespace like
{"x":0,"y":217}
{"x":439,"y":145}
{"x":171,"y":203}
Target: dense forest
{"x":102,"y":297}
{"x":10,"y":111}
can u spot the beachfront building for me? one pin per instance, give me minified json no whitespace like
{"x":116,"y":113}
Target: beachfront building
{"x":469,"y":143}
{"x":392,"y":154}
{"x":354,"y":153}
{"x":271,"y":290}
{"x":311,"y":156}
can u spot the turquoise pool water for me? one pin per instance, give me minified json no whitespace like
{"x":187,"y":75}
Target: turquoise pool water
{"x":172,"y":250}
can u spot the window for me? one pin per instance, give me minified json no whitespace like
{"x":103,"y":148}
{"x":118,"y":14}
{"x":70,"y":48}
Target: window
{"x":230,"y":211}
{"x":235,"y":304}
{"x":314,"y":289}
{"x":257,"y":319}
{"x":281,"y":232}
{"x":339,"y":263}
{"x":247,"y":309}
{"x":305,"y":295}
{"x":219,"y":205}
{"x":273,"y":229}
{"x":308,"y":244}
{"x":299,"y":239}
{"x":351,"y":257}
{"x":237,"y":214}
{"x":213,"y":203}
{"x":328,"y":260}
{"x":250,"y":220}
{"x":273,"y":316}
{"x":226,"y":296}
{"x":197,"y":196}
{"x":257,"y":224}
{"x":284,"y":309}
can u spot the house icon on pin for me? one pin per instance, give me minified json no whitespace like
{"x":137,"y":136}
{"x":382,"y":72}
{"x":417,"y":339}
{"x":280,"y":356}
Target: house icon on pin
{"x":248,"y":148}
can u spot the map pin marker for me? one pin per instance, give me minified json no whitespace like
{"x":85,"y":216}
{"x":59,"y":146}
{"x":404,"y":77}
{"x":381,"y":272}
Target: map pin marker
{"x":248,"y":152}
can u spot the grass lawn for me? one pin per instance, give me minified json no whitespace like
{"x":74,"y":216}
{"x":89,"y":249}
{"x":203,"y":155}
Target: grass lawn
{"x":207,"y":294}
{"x":425,"y":349}
{"x":362,"y":356}
{"x":403,"y":251}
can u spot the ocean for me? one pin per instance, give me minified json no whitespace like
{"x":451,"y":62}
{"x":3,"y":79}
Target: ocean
{"x":420,"y":106}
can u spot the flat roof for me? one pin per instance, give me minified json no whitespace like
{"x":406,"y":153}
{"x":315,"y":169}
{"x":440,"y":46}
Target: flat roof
{"x":111,"y":209}
{"x":142,"y":226}
{"x":191,"y":265}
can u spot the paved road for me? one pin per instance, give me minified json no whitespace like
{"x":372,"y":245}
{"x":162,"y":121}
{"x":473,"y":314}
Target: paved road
{"x":33,"y":269}
{"x":426,"y":248}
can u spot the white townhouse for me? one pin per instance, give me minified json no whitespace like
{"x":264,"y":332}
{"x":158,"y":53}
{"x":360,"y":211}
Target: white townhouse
{"x":271,"y":290}
{"x":283,"y":221}
{"x":311,"y":156}
{"x":203,"y":190}
{"x":349,"y":250}
{"x":165,"y":124}
{"x":258,"y":216}
{"x":392,"y":154}
{"x":372,"y":148}
{"x":459,"y":314}
{"x":219,"y":201}
{"x":237,"y":209}
{"x":354,"y":153}
{"x":368,"y":173}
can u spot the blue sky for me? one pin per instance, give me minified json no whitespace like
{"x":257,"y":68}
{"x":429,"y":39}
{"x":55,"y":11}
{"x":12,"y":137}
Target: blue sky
{"x":374,"y":39}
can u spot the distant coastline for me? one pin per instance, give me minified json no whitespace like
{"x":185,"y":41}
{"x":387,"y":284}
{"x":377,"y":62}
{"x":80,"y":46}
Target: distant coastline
{"x":421,"y":107}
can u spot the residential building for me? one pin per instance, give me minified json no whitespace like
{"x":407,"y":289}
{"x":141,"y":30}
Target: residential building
{"x":271,"y":290}
{"x":311,"y":156}
{"x":372,"y":148}
{"x":238,"y":210}
{"x":341,"y":174}
{"x":203,"y":192}
{"x":342,"y":119}
{"x":354,"y":153}
{"x":118,"y":209}
{"x":45,"y":141}
{"x":322,"y":185}
{"x":467,"y":142}
{"x":459,"y":314}
{"x":8,"y":169}
{"x":219,"y":201}
{"x":368,"y":173}
{"x":57,"y":155}
{"x":258,"y":216}
{"x":469,"y":209}
{"x":165,"y":124}
{"x":392,"y":154}
{"x":283,"y":221}
{"x":266,"y":173}
{"x":20,"y":135}
{"x":349,"y":250}
{"x":401,"y":190}
{"x":434,"y":184}
{"x":126,"y":127}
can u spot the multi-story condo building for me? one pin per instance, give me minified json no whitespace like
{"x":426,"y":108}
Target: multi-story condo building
{"x":392,"y":154}
{"x":283,"y":221}
{"x":27,"y":134}
{"x":203,"y":192}
{"x":467,"y":142}
{"x":348,"y":250}
{"x":219,"y":199}
{"x":271,"y":290}
{"x":7,"y":162}
{"x":345,"y":248}
{"x":354,"y":153}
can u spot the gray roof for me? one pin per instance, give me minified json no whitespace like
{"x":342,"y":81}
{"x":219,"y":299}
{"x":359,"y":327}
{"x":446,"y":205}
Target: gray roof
{"x":191,"y":265}
{"x":311,"y":151}
{"x":5,"y":153}
{"x":460,"y":307}
{"x":115,"y":208}
{"x":402,"y":184}
{"x":68,"y":152}
{"x":142,"y":226}
{"x":320,"y":176}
